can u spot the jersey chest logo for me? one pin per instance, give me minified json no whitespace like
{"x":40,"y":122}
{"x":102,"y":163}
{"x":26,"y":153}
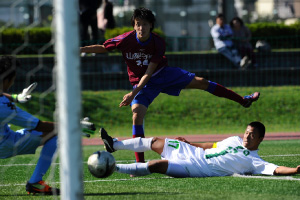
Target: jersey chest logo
{"x":230,"y":150}
{"x":141,"y":58}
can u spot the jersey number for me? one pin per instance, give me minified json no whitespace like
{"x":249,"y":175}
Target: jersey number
{"x":174,"y":144}
{"x":140,"y":63}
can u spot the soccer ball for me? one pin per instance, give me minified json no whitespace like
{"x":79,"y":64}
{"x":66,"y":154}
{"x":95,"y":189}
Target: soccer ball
{"x":101,"y":164}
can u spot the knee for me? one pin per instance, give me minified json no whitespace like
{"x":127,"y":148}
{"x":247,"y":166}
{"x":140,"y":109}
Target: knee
{"x":135,"y":116}
{"x":157,"y":145}
{"x":138,"y":116}
{"x":201,"y":80}
{"x":202,"y":83}
{"x":154,"y":142}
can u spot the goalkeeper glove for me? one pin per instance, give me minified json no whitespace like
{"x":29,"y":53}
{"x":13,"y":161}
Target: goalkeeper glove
{"x":25,"y":95}
{"x":87,"y":127}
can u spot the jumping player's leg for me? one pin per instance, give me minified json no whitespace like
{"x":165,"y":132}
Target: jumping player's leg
{"x":221,"y":91}
{"x":138,"y":114}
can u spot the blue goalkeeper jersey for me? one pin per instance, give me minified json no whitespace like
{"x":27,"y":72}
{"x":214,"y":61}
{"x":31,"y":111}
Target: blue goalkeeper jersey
{"x":11,"y":114}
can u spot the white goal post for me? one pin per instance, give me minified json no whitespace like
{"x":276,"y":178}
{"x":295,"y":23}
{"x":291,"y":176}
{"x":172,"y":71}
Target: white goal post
{"x":68,"y":97}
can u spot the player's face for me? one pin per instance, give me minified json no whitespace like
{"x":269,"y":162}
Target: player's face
{"x":251,"y":138}
{"x":220,"y":21}
{"x":142,"y":28}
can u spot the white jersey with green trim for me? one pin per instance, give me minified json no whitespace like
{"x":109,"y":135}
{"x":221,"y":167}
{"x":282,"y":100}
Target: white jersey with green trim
{"x":231,"y":157}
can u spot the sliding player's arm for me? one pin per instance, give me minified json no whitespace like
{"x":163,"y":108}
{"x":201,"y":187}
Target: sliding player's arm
{"x":282,"y":170}
{"x":127,"y":99}
{"x":204,"y":146}
{"x":93,"y":49}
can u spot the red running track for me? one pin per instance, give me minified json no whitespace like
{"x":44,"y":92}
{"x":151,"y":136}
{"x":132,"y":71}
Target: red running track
{"x":207,"y":138}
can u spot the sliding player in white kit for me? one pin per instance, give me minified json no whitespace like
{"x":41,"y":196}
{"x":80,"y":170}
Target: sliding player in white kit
{"x":181,"y":159}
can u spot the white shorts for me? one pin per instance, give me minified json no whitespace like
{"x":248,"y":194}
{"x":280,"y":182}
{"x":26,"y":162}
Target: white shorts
{"x":183,"y":159}
{"x":20,"y":142}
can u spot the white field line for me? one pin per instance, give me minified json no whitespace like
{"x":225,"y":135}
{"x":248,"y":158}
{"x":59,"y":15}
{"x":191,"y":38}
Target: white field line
{"x":286,"y":178}
{"x":99,"y":180}
{"x":286,"y":155}
{"x":30,"y":164}
{"x":131,"y":161}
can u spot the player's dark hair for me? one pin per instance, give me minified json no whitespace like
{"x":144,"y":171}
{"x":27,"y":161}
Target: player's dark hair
{"x":237,"y":19}
{"x":220,"y":16}
{"x":144,"y":14}
{"x":8,"y":65}
{"x":259,"y":127}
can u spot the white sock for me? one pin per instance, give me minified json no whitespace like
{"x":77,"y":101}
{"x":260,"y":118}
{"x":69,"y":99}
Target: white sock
{"x":136,"y":169}
{"x":136,"y":144}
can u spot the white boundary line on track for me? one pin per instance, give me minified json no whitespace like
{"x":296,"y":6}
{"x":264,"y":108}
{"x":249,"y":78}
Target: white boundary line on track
{"x":131,"y":161}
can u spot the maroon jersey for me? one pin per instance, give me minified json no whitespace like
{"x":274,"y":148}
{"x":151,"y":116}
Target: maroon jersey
{"x":139,"y":54}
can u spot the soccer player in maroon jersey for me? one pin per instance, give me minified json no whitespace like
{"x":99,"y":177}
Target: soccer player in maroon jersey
{"x":149,"y":73}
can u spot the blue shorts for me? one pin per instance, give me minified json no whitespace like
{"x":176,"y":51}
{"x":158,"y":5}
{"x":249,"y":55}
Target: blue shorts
{"x":20,"y":142}
{"x":170,"y":80}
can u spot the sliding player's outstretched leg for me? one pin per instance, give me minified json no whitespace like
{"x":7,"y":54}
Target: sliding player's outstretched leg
{"x":137,"y":144}
{"x":107,"y":140}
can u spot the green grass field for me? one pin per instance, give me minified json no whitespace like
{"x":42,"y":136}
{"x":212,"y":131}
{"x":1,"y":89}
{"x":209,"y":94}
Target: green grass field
{"x":16,"y":171}
{"x":193,"y":112}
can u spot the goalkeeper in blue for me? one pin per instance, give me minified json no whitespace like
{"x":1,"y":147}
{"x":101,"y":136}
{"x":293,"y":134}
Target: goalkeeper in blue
{"x":181,"y":158}
{"x":35,"y":132}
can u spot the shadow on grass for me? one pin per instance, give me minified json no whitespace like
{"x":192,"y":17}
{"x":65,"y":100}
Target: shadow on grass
{"x":25,"y":195}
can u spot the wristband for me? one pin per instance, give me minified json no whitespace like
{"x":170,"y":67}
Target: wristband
{"x":14,"y":97}
{"x":214,"y":145}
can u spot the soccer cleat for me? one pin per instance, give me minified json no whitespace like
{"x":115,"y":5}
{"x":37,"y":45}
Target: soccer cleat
{"x":250,"y":98}
{"x":42,"y":188}
{"x":108,"y":141}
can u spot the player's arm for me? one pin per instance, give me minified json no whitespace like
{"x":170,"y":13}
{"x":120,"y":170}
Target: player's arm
{"x":204,"y":146}
{"x":49,"y":127}
{"x":22,"y":97}
{"x":45,"y":127}
{"x":127,"y":99}
{"x":282,"y":170}
{"x":93,"y":49}
{"x":8,"y":96}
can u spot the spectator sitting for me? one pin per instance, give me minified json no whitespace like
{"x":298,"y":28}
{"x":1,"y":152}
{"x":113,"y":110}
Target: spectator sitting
{"x":241,"y":39}
{"x":222,"y":36}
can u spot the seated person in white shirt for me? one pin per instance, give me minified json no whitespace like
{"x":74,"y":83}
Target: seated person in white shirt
{"x":222,"y":36}
{"x":181,"y":158}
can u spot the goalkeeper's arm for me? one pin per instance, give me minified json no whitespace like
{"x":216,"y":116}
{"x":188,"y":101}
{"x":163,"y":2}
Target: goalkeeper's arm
{"x":22,"y":97}
{"x":8,"y":96}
